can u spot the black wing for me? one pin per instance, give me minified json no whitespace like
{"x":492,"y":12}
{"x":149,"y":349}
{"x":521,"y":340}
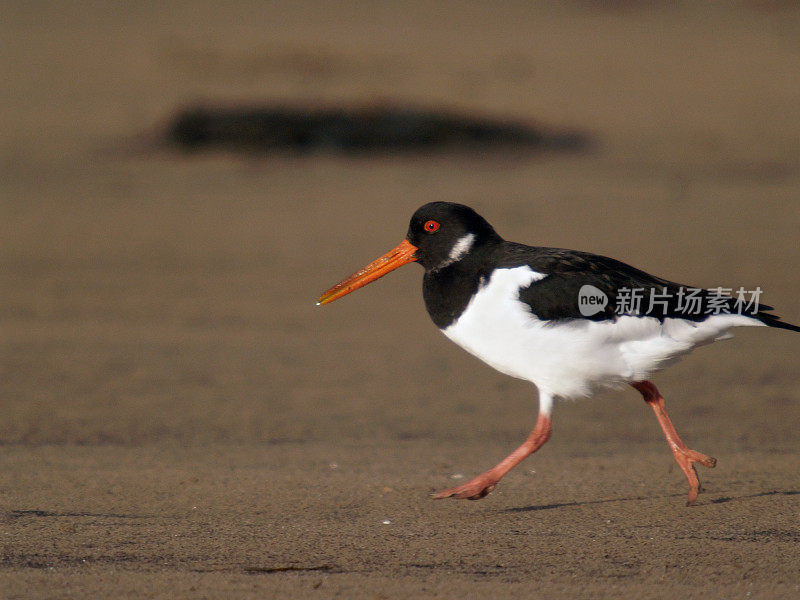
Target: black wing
{"x":563,"y":294}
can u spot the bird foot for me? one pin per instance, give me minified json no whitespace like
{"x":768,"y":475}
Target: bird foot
{"x":686,"y":460}
{"x":473,"y":490}
{"x":695,"y":457}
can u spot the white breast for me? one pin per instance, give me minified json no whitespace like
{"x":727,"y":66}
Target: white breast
{"x":569,"y":359}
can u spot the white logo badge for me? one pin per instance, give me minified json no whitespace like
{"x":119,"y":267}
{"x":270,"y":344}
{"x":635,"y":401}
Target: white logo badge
{"x":591,"y":300}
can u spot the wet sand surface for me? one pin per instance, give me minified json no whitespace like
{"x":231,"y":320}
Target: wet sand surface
{"x":180,"y":420}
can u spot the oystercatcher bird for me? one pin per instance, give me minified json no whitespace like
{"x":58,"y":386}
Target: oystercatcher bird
{"x":567,"y":321}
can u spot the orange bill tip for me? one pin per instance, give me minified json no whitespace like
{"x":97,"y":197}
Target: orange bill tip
{"x":402,"y":254}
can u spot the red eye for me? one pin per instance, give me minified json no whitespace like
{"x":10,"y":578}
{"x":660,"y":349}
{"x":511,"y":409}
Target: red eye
{"x":431,"y":226}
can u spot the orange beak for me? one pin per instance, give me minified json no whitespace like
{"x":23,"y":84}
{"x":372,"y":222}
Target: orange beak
{"x":404,"y":253}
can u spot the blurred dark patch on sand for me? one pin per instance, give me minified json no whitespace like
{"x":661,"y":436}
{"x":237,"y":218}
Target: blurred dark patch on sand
{"x":357,"y":130}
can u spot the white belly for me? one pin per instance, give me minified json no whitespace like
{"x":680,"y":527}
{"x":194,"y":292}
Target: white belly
{"x":570,"y":359}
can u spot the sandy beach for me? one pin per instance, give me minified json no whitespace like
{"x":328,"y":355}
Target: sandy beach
{"x":181,"y":421}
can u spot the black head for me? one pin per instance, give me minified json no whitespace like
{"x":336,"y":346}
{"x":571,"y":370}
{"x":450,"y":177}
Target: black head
{"x":444,"y":233}
{"x":440,"y":234}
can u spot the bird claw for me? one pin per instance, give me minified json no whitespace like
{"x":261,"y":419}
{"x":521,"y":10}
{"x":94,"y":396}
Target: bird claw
{"x":686,"y":459}
{"x":474,"y":490}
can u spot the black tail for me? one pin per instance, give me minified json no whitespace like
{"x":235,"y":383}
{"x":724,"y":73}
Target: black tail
{"x":774,"y":320}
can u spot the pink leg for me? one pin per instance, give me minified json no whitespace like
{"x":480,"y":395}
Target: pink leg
{"x":485,"y":482}
{"x":684,"y":456}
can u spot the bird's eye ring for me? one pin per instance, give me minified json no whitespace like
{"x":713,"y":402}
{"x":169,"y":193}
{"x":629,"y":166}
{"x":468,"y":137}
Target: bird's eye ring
{"x":431,"y":226}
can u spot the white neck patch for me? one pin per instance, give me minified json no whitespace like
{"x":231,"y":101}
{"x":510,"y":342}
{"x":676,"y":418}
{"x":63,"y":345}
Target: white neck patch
{"x":460,"y":248}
